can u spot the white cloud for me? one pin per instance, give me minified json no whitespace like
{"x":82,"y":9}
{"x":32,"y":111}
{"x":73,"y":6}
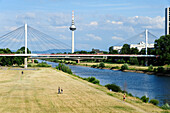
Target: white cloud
{"x":147,"y":22}
{"x":114,"y":22}
{"x":94,"y":37}
{"x":116,"y":38}
{"x":94,"y":23}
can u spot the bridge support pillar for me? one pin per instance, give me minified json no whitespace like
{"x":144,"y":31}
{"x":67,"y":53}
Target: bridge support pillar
{"x":78,"y":61}
{"x":25,"y":63}
{"x":146,"y":61}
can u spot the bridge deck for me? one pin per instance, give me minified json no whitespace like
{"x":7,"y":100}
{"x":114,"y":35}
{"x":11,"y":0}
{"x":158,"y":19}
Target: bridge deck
{"x":78,"y":55}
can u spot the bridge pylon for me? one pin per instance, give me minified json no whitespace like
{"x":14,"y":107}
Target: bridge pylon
{"x":25,"y":60}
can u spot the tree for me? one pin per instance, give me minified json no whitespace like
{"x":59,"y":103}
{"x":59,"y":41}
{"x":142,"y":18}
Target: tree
{"x":125,"y":49}
{"x":134,"y":61}
{"x":22,"y":50}
{"x":111,"y":51}
{"x":162,"y":48}
{"x":134,"y":51}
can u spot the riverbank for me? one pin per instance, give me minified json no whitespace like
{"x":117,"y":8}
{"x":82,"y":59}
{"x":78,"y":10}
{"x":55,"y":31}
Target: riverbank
{"x":111,"y":66}
{"x":135,"y":69}
{"x":36,"y":91}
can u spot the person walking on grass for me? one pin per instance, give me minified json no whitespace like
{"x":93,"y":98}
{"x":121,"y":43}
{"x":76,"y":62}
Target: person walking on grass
{"x":58,"y":90}
{"x":124,"y":97}
{"x":61,"y":91}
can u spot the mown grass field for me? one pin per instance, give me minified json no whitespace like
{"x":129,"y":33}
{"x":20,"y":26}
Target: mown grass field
{"x":36,"y":91}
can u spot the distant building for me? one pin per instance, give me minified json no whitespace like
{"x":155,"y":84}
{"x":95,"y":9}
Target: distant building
{"x":97,"y":51}
{"x":139,"y":46}
{"x":167,"y":21}
{"x":118,"y":48}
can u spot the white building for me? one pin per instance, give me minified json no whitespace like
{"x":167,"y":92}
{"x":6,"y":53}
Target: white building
{"x":167,"y":21}
{"x":139,"y":46}
{"x":118,"y":48}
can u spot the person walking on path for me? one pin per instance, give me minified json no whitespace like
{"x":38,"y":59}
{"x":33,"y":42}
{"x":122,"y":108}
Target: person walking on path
{"x":124,"y":97}
{"x":61,"y":91}
{"x":58,"y":90}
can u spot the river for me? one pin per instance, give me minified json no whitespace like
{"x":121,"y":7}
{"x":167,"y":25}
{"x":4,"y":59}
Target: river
{"x":138,"y":84}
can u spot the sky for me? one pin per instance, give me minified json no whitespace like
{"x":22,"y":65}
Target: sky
{"x":100,"y":23}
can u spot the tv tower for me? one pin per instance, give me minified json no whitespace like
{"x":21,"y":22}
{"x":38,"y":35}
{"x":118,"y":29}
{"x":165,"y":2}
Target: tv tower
{"x":72,"y":28}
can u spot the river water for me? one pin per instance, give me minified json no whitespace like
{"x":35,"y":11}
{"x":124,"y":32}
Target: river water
{"x":138,"y":84}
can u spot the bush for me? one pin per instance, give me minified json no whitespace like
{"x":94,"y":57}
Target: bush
{"x":134,"y":61}
{"x":64,"y":68}
{"x":74,"y":63}
{"x":101,"y":65}
{"x":166,"y":106}
{"x":160,"y":69}
{"x":43,"y":64}
{"x":35,"y":61}
{"x":150,"y":68}
{"x":113,"y":87}
{"x":92,"y":80}
{"x":145,"y":99}
{"x":155,"y":70}
{"x":94,"y":66}
{"x":154,"y":101}
{"x":120,"y":61}
{"x":124,"y":66}
{"x":29,"y":65}
{"x":130,"y":94}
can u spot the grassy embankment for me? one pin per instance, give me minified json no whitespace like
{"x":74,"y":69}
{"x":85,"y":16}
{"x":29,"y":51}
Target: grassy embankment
{"x":36,"y":91}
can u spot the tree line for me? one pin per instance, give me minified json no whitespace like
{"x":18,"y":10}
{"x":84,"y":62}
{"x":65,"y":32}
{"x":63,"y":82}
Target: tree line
{"x":161,"y":48}
{"x":10,"y":60}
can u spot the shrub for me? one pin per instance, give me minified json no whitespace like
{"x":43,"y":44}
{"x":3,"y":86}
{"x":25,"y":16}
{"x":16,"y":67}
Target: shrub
{"x":130,"y":94}
{"x":134,"y":61}
{"x":43,"y":64}
{"x":92,"y":80}
{"x":154,"y":101}
{"x":155,"y":70}
{"x":120,"y":61}
{"x":35,"y":61}
{"x":64,"y":68}
{"x":74,"y":63}
{"x":160,"y":69}
{"x":124,"y":66}
{"x":166,"y":106}
{"x":145,"y":99}
{"x":113,"y":87}
{"x":94,"y":66}
{"x":150,"y":68}
{"x":102,"y":65}
{"x":29,"y":65}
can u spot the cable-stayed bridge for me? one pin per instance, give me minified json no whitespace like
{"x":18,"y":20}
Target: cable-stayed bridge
{"x":40,"y":43}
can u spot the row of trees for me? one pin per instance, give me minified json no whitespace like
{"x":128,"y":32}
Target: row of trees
{"x":12,"y":60}
{"x":161,"y":48}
